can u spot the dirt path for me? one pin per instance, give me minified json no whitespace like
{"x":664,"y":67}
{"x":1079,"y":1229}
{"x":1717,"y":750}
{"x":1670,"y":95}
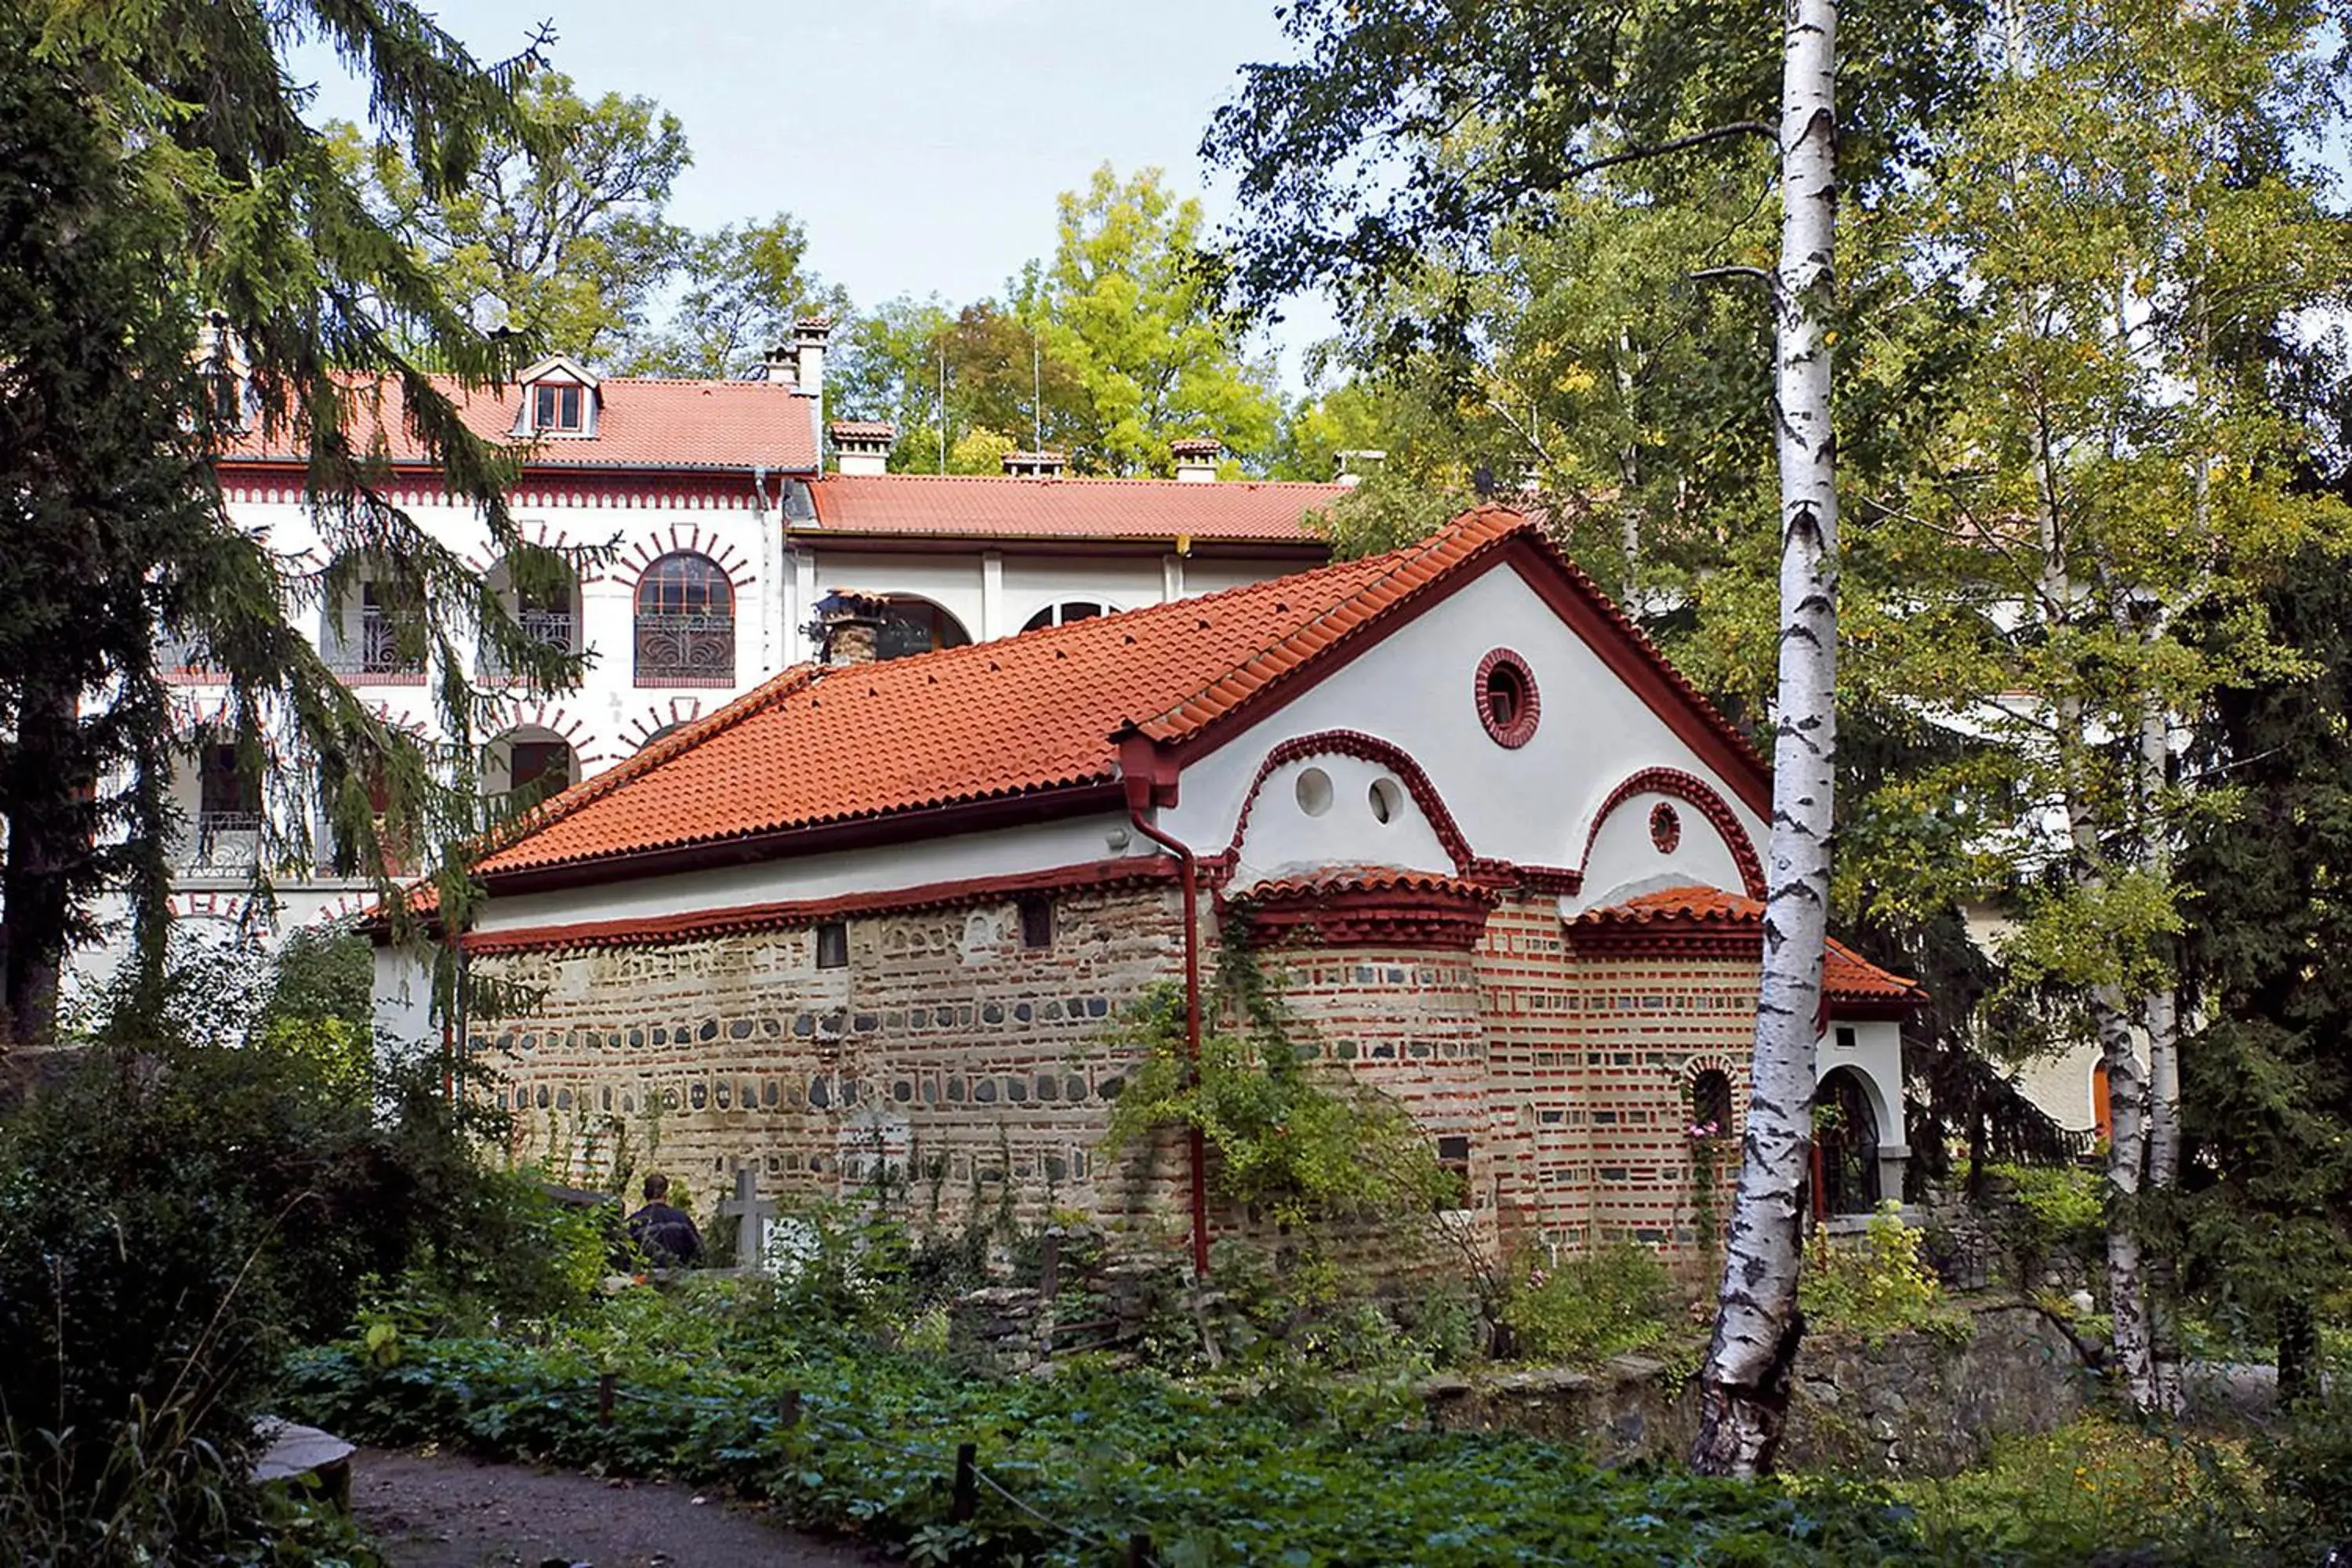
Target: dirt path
{"x":437,"y":1511}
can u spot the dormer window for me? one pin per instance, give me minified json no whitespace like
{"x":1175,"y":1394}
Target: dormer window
{"x":560,"y":408}
{"x":559,"y":398}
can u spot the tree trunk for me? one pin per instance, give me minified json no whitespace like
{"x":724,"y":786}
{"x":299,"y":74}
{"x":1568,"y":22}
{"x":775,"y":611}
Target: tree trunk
{"x":1744,"y":1384}
{"x":48,"y":838}
{"x":2127,"y":1157}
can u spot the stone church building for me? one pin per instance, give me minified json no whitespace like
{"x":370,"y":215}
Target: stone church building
{"x":1503,"y":861}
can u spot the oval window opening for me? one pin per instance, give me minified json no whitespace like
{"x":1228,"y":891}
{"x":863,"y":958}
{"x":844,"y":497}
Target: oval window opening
{"x":1507,"y":705}
{"x":1314,"y":791}
{"x":1507,"y":696}
{"x":1387,"y":800}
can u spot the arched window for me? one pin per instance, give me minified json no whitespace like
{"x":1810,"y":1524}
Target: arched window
{"x":1710,"y":1105}
{"x":529,"y":765}
{"x":685,"y":623}
{"x":1063,"y":613}
{"x":1845,"y":1146}
{"x":916,"y":625}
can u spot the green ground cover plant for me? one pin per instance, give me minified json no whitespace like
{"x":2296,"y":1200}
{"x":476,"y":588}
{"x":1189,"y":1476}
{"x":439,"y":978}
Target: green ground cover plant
{"x":1308,"y":1472}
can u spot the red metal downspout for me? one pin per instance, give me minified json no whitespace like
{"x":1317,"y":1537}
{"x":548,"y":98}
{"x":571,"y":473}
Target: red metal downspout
{"x":1138,"y":794}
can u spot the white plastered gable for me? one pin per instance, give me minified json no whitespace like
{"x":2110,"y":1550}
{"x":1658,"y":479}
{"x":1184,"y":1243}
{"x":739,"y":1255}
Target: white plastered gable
{"x":1415,"y":696}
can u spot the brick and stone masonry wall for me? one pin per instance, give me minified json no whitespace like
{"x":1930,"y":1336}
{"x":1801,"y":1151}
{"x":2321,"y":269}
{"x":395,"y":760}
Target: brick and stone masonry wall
{"x":980,"y":1072}
{"x":970,"y":1064}
{"x":1591,"y":1058}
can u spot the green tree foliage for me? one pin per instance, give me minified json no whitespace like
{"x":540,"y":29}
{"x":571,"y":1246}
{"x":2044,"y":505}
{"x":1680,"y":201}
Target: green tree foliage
{"x":1126,"y":303}
{"x":569,"y":252}
{"x":1108,"y":352}
{"x":745,"y":287}
{"x":187,"y":255}
{"x":2267,"y":1081}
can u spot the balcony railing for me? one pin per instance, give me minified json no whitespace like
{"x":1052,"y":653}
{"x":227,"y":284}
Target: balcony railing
{"x":686,"y":650}
{"x":186,"y":658}
{"x":375,"y":654}
{"x":223,"y":841}
{"x":556,"y":628}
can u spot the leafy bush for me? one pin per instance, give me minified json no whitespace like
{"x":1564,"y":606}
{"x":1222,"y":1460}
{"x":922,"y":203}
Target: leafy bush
{"x":178,"y":1215}
{"x":2096,"y":1486}
{"x":1298,"y":1146}
{"x":1610,"y":1301}
{"x":2050,"y":1209}
{"x":1879,"y":1287}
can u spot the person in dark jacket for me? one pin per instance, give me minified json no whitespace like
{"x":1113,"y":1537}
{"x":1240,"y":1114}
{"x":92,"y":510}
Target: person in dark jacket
{"x":665,"y":1234}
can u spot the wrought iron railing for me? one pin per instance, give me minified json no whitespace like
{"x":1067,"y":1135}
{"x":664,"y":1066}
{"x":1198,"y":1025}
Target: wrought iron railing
{"x":186,"y":658}
{"x":375,"y":651}
{"x":223,"y":841}
{"x":554,"y":628}
{"x":685,"y":650}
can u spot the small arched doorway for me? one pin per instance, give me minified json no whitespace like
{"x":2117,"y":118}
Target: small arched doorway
{"x":1845,"y":1146}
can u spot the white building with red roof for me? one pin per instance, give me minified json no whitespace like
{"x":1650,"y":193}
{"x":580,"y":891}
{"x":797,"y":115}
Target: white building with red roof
{"x":1502,"y":861}
{"x":723,"y":538}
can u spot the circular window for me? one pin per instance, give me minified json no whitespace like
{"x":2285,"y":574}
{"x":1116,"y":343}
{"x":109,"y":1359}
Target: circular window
{"x":1665,"y":828}
{"x":1508,"y":703}
{"x":1387,"y":800}
{"x":1314,"y":791}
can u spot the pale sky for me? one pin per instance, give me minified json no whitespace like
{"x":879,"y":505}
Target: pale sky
{"x":920,"y":143}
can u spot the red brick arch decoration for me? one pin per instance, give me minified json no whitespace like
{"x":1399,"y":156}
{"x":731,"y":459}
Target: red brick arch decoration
{"x":1363,"y":748}
{"x":1697,"y":793}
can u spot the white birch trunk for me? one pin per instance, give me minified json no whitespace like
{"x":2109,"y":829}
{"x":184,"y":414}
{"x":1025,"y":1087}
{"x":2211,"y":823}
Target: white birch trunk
{"x":2126,"y":1154}
{"x":1744,"y":1385}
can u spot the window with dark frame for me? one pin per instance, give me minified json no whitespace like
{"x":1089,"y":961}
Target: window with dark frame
{"x":224,"y":790}
{"x":542,"y":767}
{"x":832,"y":946}
{"x":1037,"y":921}
{"x":1453,"y":1160}
{"x":559,"y":408}
{"x":1710,"y":1098}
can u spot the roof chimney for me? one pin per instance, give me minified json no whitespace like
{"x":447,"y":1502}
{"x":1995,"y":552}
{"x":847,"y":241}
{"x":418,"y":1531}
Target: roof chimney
{"x":862,"y":446}
{"x":1036,"y":465}
{"x":810,"y":334}
{"x":1197,"y":459}
{"x":1355,"y":465}
{"x":779,"y":366}
{"x":848,"y":628}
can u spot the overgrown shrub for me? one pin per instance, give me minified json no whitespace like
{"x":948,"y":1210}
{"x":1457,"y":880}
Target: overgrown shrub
{"x":2049,"y":1210}
{"x":179,"y":1213}
{"x":1877,"y":1286}
{"x":1612,"y":1300}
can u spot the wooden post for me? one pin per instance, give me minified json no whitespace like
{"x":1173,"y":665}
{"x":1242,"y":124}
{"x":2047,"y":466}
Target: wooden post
{"x":606,"y":1382}
{"x":1049,"y":1267}
{"x":967,"y":1483}
{"x":1138,"y":1551}
{"x":787,"y":1407}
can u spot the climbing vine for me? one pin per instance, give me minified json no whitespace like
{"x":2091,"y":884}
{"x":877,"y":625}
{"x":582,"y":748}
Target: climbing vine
{"x":1296,"y":1144}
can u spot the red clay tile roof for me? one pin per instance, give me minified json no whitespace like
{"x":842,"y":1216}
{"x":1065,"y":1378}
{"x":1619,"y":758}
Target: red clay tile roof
{"x":999,"y":506}
{"x":642,"y":423}
{"x":1365,"y":879}
{"x":815,"y":747}
{"x":1847,"y":975}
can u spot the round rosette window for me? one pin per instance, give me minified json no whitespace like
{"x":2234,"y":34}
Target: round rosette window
{"x":1665,"y":828}
{"x":1507,"y":702}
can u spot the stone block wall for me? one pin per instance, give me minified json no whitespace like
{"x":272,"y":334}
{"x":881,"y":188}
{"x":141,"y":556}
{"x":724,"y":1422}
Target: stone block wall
{"x":969,"y":1065}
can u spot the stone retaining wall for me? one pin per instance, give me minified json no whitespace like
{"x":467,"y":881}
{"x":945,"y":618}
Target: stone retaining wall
{"x":1914,"y":1404}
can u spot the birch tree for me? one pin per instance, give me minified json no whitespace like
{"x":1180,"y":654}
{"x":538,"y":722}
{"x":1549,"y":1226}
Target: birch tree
{"x":2137,"y":217}
{"x":1744,"y":1382}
